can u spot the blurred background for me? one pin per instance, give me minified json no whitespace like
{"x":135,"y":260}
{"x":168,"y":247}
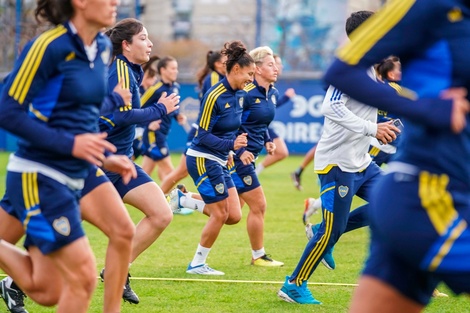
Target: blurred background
{"x":305,"y":33}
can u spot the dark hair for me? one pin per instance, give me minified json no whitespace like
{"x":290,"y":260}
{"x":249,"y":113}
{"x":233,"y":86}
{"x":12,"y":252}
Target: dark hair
{"x":211,"y":58}
{"x":54,"y":11}
{"x":385,"y":66}
{"x":124,"y":30}
{"x":164,"y":62}
{"x":148,"y":68}
{"x":356,"y":19}
{"x":236,"y":54}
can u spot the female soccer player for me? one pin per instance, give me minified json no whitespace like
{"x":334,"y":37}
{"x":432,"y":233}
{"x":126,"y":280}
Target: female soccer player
{"x":209,"y":75}
{"x":155,"y":146}
{"x":131,"y":48}
{"x":51,"y":102}
{"x":258,"y":112}
{"x":219,"y":120}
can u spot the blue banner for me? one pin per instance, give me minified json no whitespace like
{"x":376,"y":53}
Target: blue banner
{"x":299,"y":122}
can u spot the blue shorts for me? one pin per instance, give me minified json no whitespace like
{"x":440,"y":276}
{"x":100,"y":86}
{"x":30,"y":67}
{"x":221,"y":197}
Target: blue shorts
{"x":95,"y":177}
{"x":212,"y":180}
{"x":244,"y":176}
{"x":420,"y":235}
{"x":137,"y":147}
{"x":272,"y":133}
{"x":154,"y":145}
{"x":116,"y":179}
{"x":48,"y":210}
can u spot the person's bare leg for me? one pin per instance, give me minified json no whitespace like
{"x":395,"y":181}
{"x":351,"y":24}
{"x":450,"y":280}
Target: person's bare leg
{"x":149,"y":199}
{"x":77,"y":267}
{"x":180,"y":172}
{"x":11,"y":229}
{"x":103,"y":208}
{"x":373,"y":296}
{"x":256,"y":201}
{"x":164,"y":167}
{"x":148,"y":165}
{"x":33,"y":272}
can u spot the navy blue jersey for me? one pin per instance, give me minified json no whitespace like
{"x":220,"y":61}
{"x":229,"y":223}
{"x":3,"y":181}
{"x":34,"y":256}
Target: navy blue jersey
{"x":433,"y":48}
{"x":54,"y":93}
{"x":219,"y":120}
{"x":120,"y":124}
{"x":258,"y":112}
{"x":153,"y":94}
{"x":210,"y":80}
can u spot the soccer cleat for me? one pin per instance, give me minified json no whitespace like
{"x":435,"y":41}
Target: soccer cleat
{"x":296,"y":180}
{"x":266,"y":261}
{"x":174,"y":200}
{"x":309,"y":209}
{"x":328,"y":259}
{"x":296,"y":294}
{"x":128,"y":294}
{"x":13,"y":297}
{"x":202,"y":269}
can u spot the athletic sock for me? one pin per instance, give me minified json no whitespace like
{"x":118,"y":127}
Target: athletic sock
{"x":200,"y":256}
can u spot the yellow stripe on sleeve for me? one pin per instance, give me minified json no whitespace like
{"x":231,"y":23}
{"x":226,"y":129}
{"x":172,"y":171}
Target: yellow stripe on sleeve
{"x":214,"y":78}
{"x":249,"y":87}
{"x":23,"y":80}
{"x":373,"y":29}
{"x":209,"y":105}
{"x":149,"y":93}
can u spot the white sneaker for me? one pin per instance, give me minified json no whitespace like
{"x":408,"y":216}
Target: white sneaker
{"x":309,"y":209}
{"x":203,"y":269}
{"x":174,"y":200}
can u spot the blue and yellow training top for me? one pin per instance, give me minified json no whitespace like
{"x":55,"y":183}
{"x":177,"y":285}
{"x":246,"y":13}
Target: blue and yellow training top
{"x":54,"y":93}
{"x":258,"y":112}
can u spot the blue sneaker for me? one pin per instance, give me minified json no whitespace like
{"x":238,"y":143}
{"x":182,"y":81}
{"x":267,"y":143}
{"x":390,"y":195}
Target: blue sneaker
{"x":295,"y":294}
{"x":174,"y":200}
{"x":328,"y":259}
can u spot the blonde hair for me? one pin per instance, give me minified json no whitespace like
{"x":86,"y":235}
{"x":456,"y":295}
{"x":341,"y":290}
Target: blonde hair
{"x":258,"y":54}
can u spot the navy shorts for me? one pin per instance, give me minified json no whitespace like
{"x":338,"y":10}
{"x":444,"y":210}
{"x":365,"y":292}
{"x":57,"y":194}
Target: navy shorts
{"x":116,"y":179}
{"x":212,"y":180}
{"x":244,"y":176}
{"x":95,"y":177}
{"x":155,"y":145}
{"x":48,"y":210}
{"x":420,"y":235}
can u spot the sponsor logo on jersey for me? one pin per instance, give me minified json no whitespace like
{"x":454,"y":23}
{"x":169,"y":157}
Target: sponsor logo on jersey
{"x":343,"y":191}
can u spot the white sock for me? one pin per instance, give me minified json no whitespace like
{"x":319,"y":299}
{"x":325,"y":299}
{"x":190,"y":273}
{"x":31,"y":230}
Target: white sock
{"x":259,"y":168}
{"x":317,"y":204}
{"x":191,"y":203}
{"x":200,"y":256}
{"x":258,"y":253}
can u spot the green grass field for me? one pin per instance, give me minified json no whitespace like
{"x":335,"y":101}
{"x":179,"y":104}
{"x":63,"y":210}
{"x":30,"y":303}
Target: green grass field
{"x":160,"y":280}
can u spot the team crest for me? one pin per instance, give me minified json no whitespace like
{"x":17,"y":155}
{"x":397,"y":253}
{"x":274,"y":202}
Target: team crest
{"x":220,"y":188}
{"x":247,"y":180}
{"x":105,"y":56}
{"x":240,"y":102}
{"x":273,"y":99}
{"x":343,"y":191}
{"x":62,"y":226}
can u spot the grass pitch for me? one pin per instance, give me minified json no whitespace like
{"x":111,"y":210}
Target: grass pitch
{"x":160,"y":280}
